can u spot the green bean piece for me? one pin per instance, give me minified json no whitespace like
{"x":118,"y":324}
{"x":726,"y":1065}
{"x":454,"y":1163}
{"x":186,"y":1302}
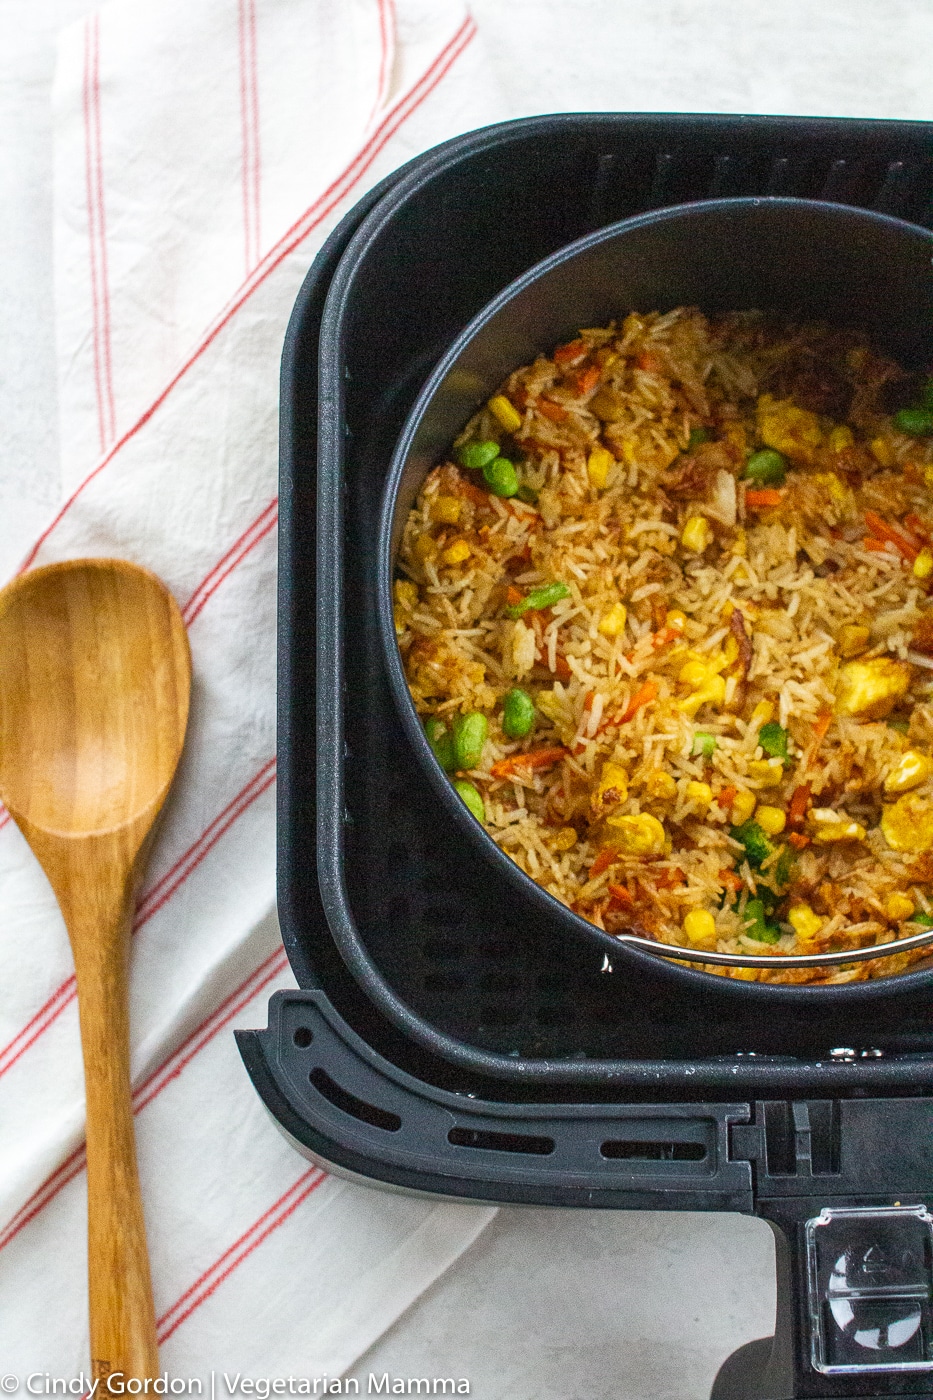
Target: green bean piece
{"x":469,"y":736}
{"x":758,"y":929}
{"x":773,"y":739}
{"x":916,"y":421}
{"x":704,"y":745}
{"x":441,"y":741}
{"x":518,"y":713}
{"x":470,"y":796}
{"x":476,"y":455}
{"x":750,"y":835}
{"x":539,"y":598}
{"x":501,"y":477}
{"x":766,"y":468}
{"x":698,"y":436}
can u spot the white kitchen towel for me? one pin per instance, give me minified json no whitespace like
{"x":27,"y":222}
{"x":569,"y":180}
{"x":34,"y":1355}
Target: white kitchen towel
{"x":204,"y":149}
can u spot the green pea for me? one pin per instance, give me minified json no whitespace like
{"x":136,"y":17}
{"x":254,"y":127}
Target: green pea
{"x":470,"y":796}
{"x":766,"y":468}
{"x":476,"y":455}
{"x":538,"y":598}
{"x":916,"y":421}
{"x":704,"y":745}
{"x":758,"y":928}
{"x":501,"y":477}
{"x":518,"y":713}
{"x":469,"y":736}
{"x":442,"y":745}
{"x":926,"y":394}
{"x":773,"y":739}
{"x":698,"y":436}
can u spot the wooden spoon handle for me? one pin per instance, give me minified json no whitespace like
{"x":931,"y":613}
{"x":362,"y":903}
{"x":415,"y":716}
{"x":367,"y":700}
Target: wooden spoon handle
{"x":122,"y":1317}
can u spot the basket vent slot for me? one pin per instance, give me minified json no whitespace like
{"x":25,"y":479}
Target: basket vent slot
{"x":501,"y":1142}
{"x":627,"y":1150}
{"x":349,"y":1103}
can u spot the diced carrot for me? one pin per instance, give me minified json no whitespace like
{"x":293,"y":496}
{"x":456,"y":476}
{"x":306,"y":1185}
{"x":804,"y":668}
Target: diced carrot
{"x":797,"y":810}
{"x":561,"y":668}
{"x":588,"y":700}
{"x":664,"y":637}
{"x":798,"y":840}
{"x":882,"y":530}
{"x":727,"y":796}
{"x":649,"y":363}
{"x":555,"y":411}
{"x":513,"y":595}
{"x":643,"y":696}
{"x":821,"y":725}
{"x":730,"y":880}
{"x":918,"y":527}
{"x":571,"y":352}
{"x":765,"y":496}
{"x":588,"y":378}
{"x":606,"y":857}
{"x":669,"y":879}
{"x":535,"y":758}
{"x":875,"y":546}
{"x":620,"y":893}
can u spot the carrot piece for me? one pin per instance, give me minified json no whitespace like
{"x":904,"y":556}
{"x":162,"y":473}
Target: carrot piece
{"x":798,"y":840}
{"x":649,"y":363}
{"x":821,"y":725}
{"x":727,"y":796}
{"x":917,"y":527}
{"x":664,"y":637}
{"x":766,"y":496}
{"x":606,"y":857}
{"x":643,"y":696}
{"x":876,"y":546}
{"x":620,"y":893}
{"x":535,"y":758}
{"x":730,"y":880}
{"x":797,"y":810}
{"x":588,"y":378}
{"x":882,"y":530}
{"x":571,"y":352}
{"x":555,"y":411}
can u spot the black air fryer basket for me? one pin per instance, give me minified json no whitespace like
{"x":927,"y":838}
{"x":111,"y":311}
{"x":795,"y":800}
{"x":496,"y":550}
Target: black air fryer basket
{"x":444,"y":1037}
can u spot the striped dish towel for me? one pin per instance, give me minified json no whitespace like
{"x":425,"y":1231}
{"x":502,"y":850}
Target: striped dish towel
{"x":203,"y":151}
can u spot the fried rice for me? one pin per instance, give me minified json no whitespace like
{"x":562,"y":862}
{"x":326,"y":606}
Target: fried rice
{"x":698,"y":552}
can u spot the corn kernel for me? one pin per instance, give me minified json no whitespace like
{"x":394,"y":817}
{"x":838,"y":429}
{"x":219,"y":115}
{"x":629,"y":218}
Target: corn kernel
{"x":505,"y":413}
{"x":805,"y":922}
{"x":424,"y":547}
{"x":923,"y":564}
{"x":928,"y":475}
{"x":907,"y":825}
{"x":700,"y":928}
{"x":772,"y":820}
{"x":899,"y":906}
{"x":853,"y":640}
{"x":565,"y":839}
{"x":456,"y":552}
{"x":743,"y":805}
{"x":730,"y":649}
{"x":446,"y":509}
{"x":675,"y":619}
{"x":405,"y":593}
{"x":840,"y":438}
{"x":697,"y":534}
{"x":598,"y":465}
{"x":642,"y":835}
{"x":613,"y":624}
{"x":762,"y":714}
{"x":740,"y":543}
{"x":767,"y":772}
{"x":828,"y":826}
{"x":911,"y":769}
{"x":693,"y":673}
{"x":882,"y":451}
{"x":660,"y":786}
{"x":701,"y":793}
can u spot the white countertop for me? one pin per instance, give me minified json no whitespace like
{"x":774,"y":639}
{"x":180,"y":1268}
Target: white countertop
{"x":547,"y":1303}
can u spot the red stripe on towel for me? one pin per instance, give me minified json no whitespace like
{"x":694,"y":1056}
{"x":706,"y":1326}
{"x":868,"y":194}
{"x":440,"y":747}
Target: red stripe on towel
{"x":251,"y":536}
{"x":249,"y":120}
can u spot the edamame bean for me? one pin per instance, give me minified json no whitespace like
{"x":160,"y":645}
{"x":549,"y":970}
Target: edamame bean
{"x":476,"y":455}
{"x":438,"y":736}
{"x":471,"y":799}
{"x":501,"y":477}
{"x":518,"y":713}
{"x":469,"y":736}
{"x":766,"y":468}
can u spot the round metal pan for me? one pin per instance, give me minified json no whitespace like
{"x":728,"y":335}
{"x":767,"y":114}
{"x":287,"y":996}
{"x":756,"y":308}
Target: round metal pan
{"x":798,"y":257}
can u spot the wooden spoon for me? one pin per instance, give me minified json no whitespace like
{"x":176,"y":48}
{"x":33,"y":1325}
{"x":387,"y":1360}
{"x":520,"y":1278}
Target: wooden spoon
{"x":95,"y":676}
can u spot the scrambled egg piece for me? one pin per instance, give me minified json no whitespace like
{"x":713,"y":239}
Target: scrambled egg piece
{"x":643,"y":835}
{"x":911,"y":769}
{"x":907,"y":825}
{"x":788,"y":429}
{"x":612,"y":789}
{"x":871,"y":689}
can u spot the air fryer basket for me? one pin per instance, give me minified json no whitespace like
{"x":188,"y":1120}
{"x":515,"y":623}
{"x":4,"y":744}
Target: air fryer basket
{"x":438,"y":1041}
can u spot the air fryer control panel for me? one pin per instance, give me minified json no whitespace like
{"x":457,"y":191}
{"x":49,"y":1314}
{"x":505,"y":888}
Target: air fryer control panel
{"x":869,"y":1287}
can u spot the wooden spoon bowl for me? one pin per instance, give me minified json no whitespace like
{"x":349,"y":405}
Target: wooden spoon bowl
{"x":95,"y":682}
